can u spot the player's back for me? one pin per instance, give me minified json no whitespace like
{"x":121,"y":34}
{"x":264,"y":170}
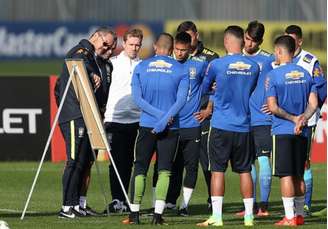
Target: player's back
{"x":236,"y":77}
{"x":291,"y":85}
{"x":159,"y":79}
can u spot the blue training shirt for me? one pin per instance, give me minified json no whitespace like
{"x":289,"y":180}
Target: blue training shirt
{"x":236,"y":77}
{"x":159,"y":89}
{"x":196,"y":70}
{"x":258,"y":99}
{"x":291,"y":85}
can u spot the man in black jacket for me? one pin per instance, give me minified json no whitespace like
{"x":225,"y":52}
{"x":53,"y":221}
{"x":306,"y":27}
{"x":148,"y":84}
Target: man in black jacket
{"x":71,"y":121}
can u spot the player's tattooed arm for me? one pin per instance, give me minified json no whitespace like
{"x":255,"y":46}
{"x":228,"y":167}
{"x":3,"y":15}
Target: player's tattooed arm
{"x":276,"y":110}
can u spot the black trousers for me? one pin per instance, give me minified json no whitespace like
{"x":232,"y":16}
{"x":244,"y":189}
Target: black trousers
{"x":78,"y":152}
{"x":121,"y":138}
{"x":204,"y":155}
{"x":187,"y":157}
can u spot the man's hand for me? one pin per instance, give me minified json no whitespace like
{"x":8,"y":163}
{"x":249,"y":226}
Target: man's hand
{"x":202,"y":114}
{"x":300,"y":122}
{"x":96,"y":81}
{"x":265,"y":109}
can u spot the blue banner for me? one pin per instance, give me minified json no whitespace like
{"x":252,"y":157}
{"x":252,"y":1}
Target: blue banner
{"x":39,"y":40}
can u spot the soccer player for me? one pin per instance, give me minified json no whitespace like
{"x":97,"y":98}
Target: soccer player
{"x":200,"y":53}
{"x":122,"y":117}
{"x":292,"y":99}
{"x":235,"y":76}
{"x":189,"y":127}
{"x":260,"y":119}
{"x":159,"y":88}
{"x":309,"y":62}
{"x":71,"y":121}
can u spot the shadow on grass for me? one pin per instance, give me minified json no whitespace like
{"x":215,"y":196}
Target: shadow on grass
{"x":36,"y":214}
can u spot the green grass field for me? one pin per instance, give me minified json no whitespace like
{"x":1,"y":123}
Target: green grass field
{"x":31,"y":67}
{"x":16,"y":179}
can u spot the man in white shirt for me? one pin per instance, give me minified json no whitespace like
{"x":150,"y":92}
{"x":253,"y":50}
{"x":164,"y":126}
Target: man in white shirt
{"x":122,"y":117}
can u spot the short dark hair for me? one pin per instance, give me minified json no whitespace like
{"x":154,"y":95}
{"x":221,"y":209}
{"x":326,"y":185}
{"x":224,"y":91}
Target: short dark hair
{"x":183,"y":38}
{"x":255,"y":30}
{"x":133,"y":32}
{"x":236,"y":31}
{"x":286,"y":42}
{"x":169,"y":36}
{"x":187,"y":25}
{"x":104,"y":30}
{"x":294,"y":29}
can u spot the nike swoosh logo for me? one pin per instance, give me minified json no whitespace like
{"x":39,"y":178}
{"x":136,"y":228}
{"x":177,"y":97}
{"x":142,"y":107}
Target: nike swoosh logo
{"x":266,"y":151}
{"x":68,"y":215}
{"x":197,"y":140}
{"x":204,"y":132}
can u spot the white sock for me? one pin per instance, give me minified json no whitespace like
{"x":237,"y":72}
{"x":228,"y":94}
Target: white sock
{"x":83,"y":201}
{"x":135,"y":207}
{"x":186,"y":195}
{"x":217,"y":202}
{"x":299,"y":205}
{"x":159,"y":206}
{"x":248,"y":203}
{"x":288,"y":206}
{"x":77,"y":207}
{"x":154,"y":197}
{"x":66,"y":208}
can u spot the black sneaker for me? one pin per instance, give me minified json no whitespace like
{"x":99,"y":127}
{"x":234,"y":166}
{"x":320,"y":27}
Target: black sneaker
{"x":66,"y":215}
{"x":114,"y":207}
{"x":90,"y":212}
{"x":183,"y":212}
{"x":158,"y":220}
{"x":132,"y":219}
{"x":79,"y":212}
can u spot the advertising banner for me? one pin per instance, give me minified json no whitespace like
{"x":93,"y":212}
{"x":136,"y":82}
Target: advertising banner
{"x":19,"y":40}
{"x":24,"y":117}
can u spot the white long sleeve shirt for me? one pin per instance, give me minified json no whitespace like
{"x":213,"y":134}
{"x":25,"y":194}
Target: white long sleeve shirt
{"x":120,"y":107}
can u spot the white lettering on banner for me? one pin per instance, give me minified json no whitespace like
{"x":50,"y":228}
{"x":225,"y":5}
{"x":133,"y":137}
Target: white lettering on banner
{"x":37,"y":44}
{"x":321,"y":129}
{"x":8,"y":120}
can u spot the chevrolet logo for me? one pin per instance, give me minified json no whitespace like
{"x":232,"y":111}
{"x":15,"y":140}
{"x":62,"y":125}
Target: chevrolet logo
{"x":295,"y":75}
{"x":160,"y":64}
{"x":239,"y":66}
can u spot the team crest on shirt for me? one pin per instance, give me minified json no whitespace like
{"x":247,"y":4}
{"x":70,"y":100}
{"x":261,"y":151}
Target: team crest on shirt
{"x":192,"y":73}
{"x":294,"y":75}
{"x":81,"y":132}
{"x":160,"y":64}
{"x":239,"y":65}
{"x":317,"y":72}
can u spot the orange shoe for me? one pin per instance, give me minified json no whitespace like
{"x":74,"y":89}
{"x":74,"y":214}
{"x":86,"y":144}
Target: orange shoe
{"x":262,"y":213}
{"x":287,"y":222}
{"x":132,"y":219}
{"x":299,"y":220}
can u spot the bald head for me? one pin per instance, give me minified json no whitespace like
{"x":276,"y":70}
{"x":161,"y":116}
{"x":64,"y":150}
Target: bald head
{"x":164,"y":44}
